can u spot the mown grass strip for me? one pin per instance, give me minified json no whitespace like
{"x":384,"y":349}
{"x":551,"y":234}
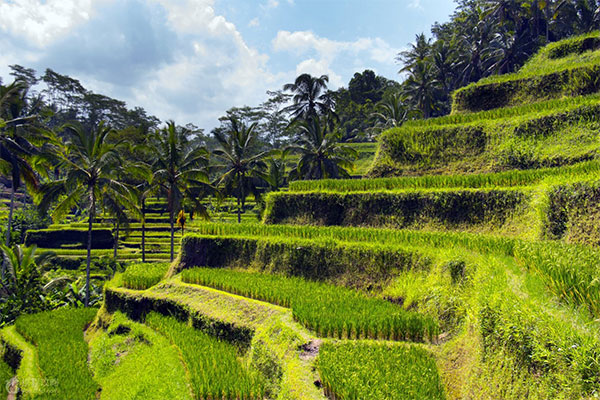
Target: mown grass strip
{"x":326,"y":309}
{"x":378,"y":371}
{"x":214,"y":368}
{"x":6,"y":374}
{"x":502,"y":179}
{"x":62,"y":351}
{"x":144,"y":275}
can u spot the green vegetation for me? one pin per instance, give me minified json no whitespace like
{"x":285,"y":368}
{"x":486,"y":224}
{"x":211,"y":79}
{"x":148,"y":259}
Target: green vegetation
{"x":213,"y":365}
{"x":144,"y":275}
{"x":445,"y":208}
{"x":23,"y":357}
{"x":6,"y":374}
{"x":328,"y":310}
{"x":74,"y":238}
{"x":378,"y":371}
{"x":501,"y":179}
{"x":62,"y":351}
{"x":132,"y":361}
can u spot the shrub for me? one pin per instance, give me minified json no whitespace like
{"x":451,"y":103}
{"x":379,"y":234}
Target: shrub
{"x":77,"y":238}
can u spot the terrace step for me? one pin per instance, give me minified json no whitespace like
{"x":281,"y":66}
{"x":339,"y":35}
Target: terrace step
{"x":269,"y":328}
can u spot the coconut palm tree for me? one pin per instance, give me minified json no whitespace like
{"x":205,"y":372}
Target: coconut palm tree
{"x":16,"y":142}
{"x":178,"y":170}
{"x":90,"y":161}
{"x":392,"y":111}
{"x":321,"y":153}
{"x":311,"y":97}
{"x":241,"y":167}
{"x":422,"y":89}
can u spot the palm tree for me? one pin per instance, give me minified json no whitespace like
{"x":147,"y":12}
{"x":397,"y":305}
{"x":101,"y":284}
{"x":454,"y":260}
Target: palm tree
{"x":16,"y":142}
{"x":321,"y":154}
{"x":179,"y":169}
{"x":392,"y":111}
{"x":241,"y":166}
{"x":91,"y":162}
{"x":422,"y":89}
{"x":311,"y":97}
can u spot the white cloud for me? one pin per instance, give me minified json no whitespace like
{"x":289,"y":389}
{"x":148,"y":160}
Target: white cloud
{"x":272,"y":4}
{"x":415,"y":4}
{"x":43,"y":22}
{"x":324,"y":52}
{"x":254,"y":22}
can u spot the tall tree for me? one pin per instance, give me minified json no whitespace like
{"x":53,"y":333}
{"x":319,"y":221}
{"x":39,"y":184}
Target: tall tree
{"x":90,"y":161}
{"x":321,"y":153}
{"x":311,"y":98}
{"x":178,"y":169}
{"x":241,"y":168}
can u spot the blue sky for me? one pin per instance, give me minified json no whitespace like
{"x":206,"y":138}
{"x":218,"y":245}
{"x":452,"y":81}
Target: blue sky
{"x":190,"y":60}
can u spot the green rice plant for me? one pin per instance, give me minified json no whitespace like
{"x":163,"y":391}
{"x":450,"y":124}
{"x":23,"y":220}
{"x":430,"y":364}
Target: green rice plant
{"x":144,"y":275}
{"x":132,"y":361}
{"x":501,"y":179}
{"x":213,"y":365}
{"x":62,"y":351}
{"x":570,"y":271}
{"x":331,"y":311}
{"x":547,"y":106}
{"x":389,"y":237}
{"x":6,"y":374}
{"x":377,"y":371}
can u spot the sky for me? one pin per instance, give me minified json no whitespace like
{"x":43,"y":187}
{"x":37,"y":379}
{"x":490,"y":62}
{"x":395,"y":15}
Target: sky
{"x":191,"y":60}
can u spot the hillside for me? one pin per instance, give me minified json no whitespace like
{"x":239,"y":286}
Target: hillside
{"x":477,"y":279}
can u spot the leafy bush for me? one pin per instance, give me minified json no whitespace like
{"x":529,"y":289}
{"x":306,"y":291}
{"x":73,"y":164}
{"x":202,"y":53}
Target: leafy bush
{"x":378,"y":371}
{"x":62,"y":351}
{"x":396,"y":209}
{"x":77,"y":238}
{"x":144,"y":275}
{"x":213,"y":365}
{"x":328,"y":310}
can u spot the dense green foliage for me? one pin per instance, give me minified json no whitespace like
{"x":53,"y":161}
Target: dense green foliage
{"x":6,"y":374}
{"x":213,"y":365}
{"x":378,"y":371}
{"x":144,"y":275}
{"x":62,"y":351}
{"x":70,"y":237}
{"x":445,"y":208}
{"x":328,"y":310}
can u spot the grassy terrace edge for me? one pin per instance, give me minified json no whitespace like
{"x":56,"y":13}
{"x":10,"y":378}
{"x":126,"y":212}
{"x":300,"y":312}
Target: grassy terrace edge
{"x":498,"y":179}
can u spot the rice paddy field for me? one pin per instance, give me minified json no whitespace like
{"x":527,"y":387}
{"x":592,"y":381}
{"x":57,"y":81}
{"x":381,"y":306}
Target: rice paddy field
{"x":467,"y":270}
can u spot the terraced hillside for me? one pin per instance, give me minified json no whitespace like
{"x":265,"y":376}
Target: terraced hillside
{"x":439,"y":286}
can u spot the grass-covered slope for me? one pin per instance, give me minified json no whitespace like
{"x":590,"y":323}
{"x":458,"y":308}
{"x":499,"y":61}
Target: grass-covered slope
{"x":567,"y":68}
{"x":544,"y":115}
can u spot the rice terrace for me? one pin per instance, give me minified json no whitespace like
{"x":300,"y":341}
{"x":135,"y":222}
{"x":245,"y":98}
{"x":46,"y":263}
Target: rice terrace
{"x":434,"y":237}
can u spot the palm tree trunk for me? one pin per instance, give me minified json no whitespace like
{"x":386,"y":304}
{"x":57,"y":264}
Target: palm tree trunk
{"x":116,"y":241}
{"x":89,"y":247}
{"x":143,"y":230}
{"x":10,"y":215}
{"x":172,"y":231}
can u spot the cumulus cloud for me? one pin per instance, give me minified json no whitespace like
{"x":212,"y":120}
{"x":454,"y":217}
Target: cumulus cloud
{"x":324,"y":53}
{"x":178,"y":59}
